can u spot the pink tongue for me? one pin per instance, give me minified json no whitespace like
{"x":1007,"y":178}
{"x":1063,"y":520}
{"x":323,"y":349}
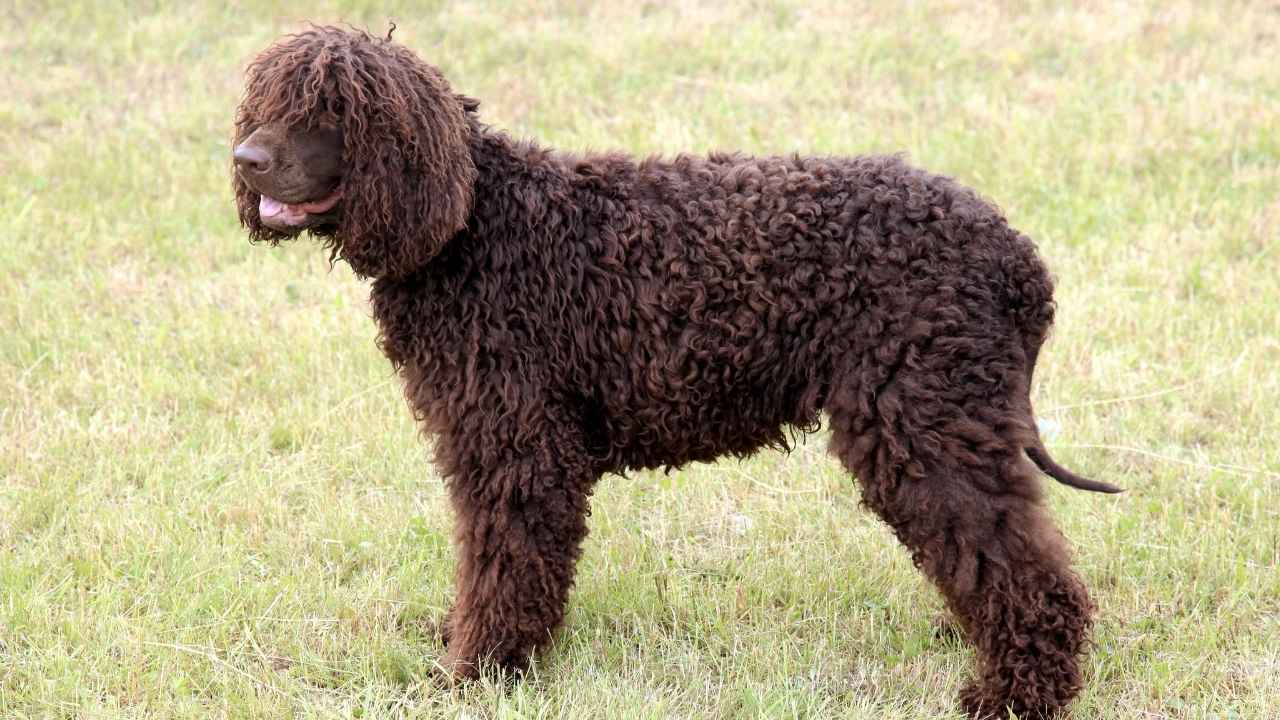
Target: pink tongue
{"x":272,"y":209}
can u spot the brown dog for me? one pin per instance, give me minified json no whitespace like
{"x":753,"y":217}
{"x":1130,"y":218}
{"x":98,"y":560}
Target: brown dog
{"x":557,"y":317}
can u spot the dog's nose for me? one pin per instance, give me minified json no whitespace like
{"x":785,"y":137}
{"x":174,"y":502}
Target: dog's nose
{"x":252,"y":158}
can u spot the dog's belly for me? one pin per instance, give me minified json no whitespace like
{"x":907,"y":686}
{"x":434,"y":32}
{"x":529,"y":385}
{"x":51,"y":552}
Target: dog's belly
{"x":724,"y":384}
{"x":658,"y":436}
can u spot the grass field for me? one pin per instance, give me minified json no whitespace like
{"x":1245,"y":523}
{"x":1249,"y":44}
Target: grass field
{"x":214,"y":503}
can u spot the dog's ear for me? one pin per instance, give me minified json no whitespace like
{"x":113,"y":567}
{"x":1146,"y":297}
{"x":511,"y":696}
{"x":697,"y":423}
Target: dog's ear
{"x":409,"y":168}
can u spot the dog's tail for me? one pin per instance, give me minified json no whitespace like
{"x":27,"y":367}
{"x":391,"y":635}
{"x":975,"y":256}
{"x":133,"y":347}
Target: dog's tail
{"x":1041,"y":458}
{"x":1036,"y":450}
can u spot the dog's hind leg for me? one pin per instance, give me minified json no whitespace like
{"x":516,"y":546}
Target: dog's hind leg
{"x":521,"y":515}
{"x":941,"y":462}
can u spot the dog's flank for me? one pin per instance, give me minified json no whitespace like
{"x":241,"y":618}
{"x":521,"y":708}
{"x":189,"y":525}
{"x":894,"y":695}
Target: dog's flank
{"x":558,"y":317}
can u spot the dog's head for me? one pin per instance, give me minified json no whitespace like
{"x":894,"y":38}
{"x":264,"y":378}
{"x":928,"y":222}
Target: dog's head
{"x":356,"y":140}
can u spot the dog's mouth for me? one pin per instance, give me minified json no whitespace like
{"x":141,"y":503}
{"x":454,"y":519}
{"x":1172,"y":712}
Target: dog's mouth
{"x":290,"y":217}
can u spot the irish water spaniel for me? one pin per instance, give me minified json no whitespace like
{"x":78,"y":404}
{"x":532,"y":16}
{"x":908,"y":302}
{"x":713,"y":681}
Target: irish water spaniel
{"x":556,"y":317}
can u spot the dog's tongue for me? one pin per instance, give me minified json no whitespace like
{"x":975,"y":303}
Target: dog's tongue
{"x":270,"y":208}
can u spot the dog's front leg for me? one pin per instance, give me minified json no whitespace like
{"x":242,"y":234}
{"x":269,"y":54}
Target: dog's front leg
{"x":521,"y":518}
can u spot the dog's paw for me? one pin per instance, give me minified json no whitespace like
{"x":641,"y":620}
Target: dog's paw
{"x":978,"y":704}
{"x":946,"y":628}
{"x":995,"y":703}
{"x":454,"y":669}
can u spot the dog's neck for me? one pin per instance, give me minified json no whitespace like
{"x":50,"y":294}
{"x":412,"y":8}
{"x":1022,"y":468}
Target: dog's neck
{"x":503,"y":162}
{"x":519,"y":196}
{"x":521,"y":191}
{"x":522,"y":207}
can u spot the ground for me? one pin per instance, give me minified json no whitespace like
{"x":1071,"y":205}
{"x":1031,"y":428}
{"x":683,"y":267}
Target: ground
{"x":214,"y":503}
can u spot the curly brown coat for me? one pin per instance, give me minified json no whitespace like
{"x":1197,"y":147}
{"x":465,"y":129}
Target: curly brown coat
{"x":557,"y":317}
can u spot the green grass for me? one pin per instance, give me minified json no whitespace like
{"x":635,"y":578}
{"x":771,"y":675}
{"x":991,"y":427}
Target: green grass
{"x":214,"y":503}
